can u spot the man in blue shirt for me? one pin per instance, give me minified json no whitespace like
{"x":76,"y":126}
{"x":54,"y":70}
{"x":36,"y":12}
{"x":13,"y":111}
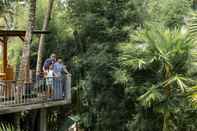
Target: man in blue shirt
{"x":60,"y":70}
{"x":49,"y":61}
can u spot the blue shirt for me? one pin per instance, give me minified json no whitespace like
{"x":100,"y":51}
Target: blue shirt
{"x":58,"y":69}
{"x":48,"y":62}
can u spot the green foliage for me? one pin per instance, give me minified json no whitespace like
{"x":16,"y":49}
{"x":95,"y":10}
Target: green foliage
{"x":6,"y":127}
{"x":99,"y":26}
{"x":162,"y":81}
{"x":192,"y":27}
{"x":128,"y":78}
{"x":170,"y":13}
{"x":4,"y":4}
{"x":133,"y":70}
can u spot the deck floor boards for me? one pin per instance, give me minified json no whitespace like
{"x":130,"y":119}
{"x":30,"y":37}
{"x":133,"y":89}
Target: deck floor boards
{"x":26,"y":107}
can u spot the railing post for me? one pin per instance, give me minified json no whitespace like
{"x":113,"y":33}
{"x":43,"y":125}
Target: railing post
{"x":68,"y":89}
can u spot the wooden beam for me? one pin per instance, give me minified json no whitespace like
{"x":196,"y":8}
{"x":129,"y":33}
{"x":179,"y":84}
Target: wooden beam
{"x":22,"y":38}
{"x":14,"y":33}
{"x":1,"y":40}
{"x":5,"y":61}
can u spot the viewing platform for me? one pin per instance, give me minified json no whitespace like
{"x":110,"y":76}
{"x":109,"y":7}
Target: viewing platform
{"x":15,"y":96}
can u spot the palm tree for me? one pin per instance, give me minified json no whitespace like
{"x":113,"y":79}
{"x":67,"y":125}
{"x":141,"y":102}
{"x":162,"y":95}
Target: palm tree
{"x":192,"y":34}
{"x":159,"y":69}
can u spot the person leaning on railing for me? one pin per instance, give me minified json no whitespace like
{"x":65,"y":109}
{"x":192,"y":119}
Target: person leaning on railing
{"x":59,"y":84}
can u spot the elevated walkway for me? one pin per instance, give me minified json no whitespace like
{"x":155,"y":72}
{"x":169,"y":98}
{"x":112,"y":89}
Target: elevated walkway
{"x":15,"y":96}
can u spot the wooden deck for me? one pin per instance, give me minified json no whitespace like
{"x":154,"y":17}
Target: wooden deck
{"x":15,"y":98}
{"x":27,"y":107}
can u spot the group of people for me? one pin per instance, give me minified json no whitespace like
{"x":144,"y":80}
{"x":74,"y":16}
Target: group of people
{"x":54,"y":73}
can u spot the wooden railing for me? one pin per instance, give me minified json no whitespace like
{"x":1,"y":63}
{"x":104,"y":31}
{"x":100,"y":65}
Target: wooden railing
{"x":43,"y":90}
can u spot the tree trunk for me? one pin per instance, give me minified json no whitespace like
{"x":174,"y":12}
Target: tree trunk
{"x":27,"y":43}
{"x":25,"y":62}
{"x":42,"y":37}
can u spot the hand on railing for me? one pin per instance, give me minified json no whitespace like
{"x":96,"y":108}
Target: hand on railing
{"x":68,"y":74}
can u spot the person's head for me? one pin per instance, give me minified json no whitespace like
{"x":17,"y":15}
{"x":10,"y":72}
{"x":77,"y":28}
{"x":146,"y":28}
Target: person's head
{"x":53,"y":56}
{"x":60,"y":61}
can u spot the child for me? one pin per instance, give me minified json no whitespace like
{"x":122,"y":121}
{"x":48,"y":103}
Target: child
{"x":49,"y":80}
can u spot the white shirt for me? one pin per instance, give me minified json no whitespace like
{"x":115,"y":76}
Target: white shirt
{"x":50,"y":73}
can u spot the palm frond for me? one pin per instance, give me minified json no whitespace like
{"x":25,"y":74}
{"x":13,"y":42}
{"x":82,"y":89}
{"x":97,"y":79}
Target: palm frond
{"x":150,"y":97}
{"x":192,"y":27}
{"x":182,"y":83}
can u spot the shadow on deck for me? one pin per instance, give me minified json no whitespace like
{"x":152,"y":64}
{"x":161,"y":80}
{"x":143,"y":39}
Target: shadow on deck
{"x":16,"y":96}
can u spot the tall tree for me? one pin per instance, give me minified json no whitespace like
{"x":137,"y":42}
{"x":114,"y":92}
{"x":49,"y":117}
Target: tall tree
{"x":28,"y":39}
{"x":99,"y":26}
{"x":42,"y":37}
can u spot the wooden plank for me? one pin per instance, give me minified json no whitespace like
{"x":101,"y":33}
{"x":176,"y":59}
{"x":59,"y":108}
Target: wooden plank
{"x":22,"y":38}
{"x":7,"y":110}
{"x":5,"y":61}
{"x":19,"y":32}
{"x":1,"y":40}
